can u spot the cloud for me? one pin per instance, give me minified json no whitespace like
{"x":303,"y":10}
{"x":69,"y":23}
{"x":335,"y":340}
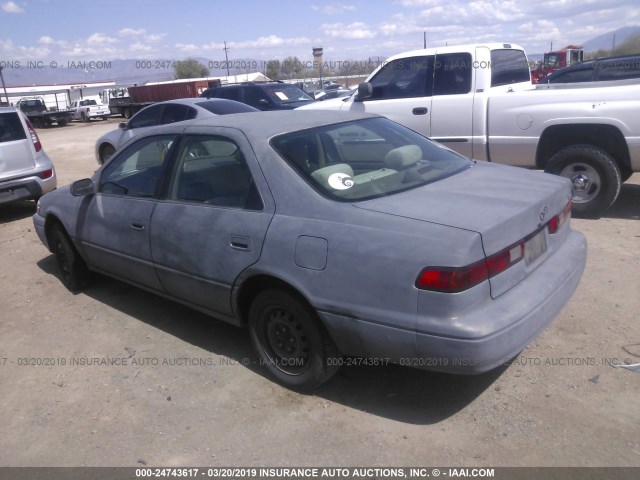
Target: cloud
{"x":11,"y":7}
{"x":131,"y":32}
{"x":154,"y":37}
{"x":101,"y":39}
{"x":333,"y":9}
{"x":140,"y":47}
{"x":353,"y":31}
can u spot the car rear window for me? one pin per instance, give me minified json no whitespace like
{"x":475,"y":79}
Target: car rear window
{"x":365,"y":159}
{"x":11,"y":128}
{"x":286,"y":93}
{"x":224,"y":107}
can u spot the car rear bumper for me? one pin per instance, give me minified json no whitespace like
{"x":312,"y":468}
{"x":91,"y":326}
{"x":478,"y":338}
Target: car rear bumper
{"x":528,"y":308}
{"x":25,"y":188}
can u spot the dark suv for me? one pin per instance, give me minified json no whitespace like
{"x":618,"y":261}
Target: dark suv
{"x":598,"y":70}
{"x":262,"y":95}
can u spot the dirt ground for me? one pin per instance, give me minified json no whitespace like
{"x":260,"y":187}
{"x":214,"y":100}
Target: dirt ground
{"x":187,"y":389}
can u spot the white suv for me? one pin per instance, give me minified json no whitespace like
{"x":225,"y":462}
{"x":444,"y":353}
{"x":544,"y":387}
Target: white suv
{"x":26,"y":172}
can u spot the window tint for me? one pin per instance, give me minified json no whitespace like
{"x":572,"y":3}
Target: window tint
{"x":223,"y":107}
{"x":366,"y":159}
{"x":212,"y":170}
{"x":11,"y":128}
{"x":570,"y":76}
{"x":509,"y":66}
{"x":174,"y":112}
{"x":253,"y":95}
{"x":284,"y":93}
{"x":403,"y":78}
{"x":137,"y":170}
{"x":452,"y":74}
{"x":230,"y":93}
{"x":619,"y":69}
{"x":146,"y":117}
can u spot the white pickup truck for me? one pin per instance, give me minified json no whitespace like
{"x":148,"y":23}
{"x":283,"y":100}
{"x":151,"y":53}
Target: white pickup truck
{"x":479,"y":101}
{"x":89,"y":108}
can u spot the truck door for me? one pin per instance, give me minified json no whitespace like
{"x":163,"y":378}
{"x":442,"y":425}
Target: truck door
{"x":402,"y":92}
{"x":452,"y":102}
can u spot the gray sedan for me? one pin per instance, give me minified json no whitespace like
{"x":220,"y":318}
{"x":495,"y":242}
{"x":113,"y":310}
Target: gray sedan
{"x":328,"y":234}
{"x":163,"y":113}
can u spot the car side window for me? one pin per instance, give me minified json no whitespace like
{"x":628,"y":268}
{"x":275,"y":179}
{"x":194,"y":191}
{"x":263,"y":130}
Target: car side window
{"x":146,"y":117}
{"x":452,"y":74}
{"x":230,"y":93}
{"x":212,"y":170}
{"x":174,"y":112}
{"x":137,"y":170}
{"x":404,"y":78}
{"x":581,"y":75}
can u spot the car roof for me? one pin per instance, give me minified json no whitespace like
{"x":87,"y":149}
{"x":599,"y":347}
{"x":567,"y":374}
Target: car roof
{"x":276,"y":122}
{"x":8,"y":109}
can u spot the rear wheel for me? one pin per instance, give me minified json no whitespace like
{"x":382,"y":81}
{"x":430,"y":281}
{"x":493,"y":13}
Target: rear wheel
{"x":105,"y":117}
{"x":73,"y":270}
{"x":595,"y":178}
{"x":126,"y":113}
{"x":84,"y":117}
{"x":291,"y":341}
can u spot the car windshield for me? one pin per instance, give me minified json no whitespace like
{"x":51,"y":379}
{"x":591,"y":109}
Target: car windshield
{"x":286,"y":93}
{"x":365,"y":159}
{"x":223,"y":107}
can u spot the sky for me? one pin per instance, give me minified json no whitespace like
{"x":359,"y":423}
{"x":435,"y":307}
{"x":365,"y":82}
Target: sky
{"x":90,"y":30}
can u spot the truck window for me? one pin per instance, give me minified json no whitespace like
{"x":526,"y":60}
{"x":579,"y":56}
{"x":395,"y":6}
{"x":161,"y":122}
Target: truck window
{"x":452,"y":74}
{"x":509,"y":66}
{"x":404,"y":78}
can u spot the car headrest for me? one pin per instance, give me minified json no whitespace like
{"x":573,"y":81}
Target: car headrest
{"x":403,"y":157}
{"x":334,"y":176}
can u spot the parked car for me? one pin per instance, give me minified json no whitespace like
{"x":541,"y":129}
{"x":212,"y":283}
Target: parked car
{"x":327,"y":233}
{"x":26,"y":172}
{"x":89,"y":108}
{"x":262,"y":95}
{"x":161,"y":113}
{"x":599,"y":70}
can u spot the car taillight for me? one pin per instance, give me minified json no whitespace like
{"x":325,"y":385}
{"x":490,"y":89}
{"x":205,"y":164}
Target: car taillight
{"x":46,"y":174}
{"x":34,"y":137}
{"x":556,"y":222}
{"x":453,"y":280}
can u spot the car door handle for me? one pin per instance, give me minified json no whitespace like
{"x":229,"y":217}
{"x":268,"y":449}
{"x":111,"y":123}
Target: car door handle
{"x":137,"y":226}
{"x":420,"y":111}
{"x":240,"y":243}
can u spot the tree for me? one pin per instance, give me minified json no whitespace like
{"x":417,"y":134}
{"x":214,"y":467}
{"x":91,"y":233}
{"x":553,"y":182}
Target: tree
{"x":292,"y":67}
{"x":630,"y":46}
{"x":190,"y":68}
{"x":273,"y":69}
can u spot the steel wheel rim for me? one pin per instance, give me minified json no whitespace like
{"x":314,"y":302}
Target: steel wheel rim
{"x":585,"y":182}
{"x":286,"y":343}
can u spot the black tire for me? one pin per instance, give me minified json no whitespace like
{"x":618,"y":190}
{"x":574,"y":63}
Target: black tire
{"x":73,"y":270}
{"x":105,"y":117}
{"x":595,"y":178}
{"x":105,"y":152}
{"x":127,"y":113}
{"x":62,"y":123}
{"x":290,"y":340}
{"x":84,"y":117}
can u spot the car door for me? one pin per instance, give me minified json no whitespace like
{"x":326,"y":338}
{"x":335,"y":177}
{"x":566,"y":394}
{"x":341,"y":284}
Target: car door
{"x":113,"y":226}
{"x":452,"y":102}
{"x":402,"y":92}
{"x":213,"y":220}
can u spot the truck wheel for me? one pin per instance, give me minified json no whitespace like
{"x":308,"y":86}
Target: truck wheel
{"x":595,"y":178}
{"x":62,"y":123}
{"x":126,"y":113}
{"x":291,"y":342}
{"x":84,"y":117}
{"x":73,"y":270}
{"x":105,"y":117}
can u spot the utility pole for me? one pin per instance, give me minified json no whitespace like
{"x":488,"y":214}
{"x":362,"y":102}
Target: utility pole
{"x":424,"y":39}
{"x":226,"y":49}
{"x":4,"y":87}
{"x":613,"y":44}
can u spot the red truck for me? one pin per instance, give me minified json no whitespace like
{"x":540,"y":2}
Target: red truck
{"x":126,"y":101}
{"x":557,"y":59}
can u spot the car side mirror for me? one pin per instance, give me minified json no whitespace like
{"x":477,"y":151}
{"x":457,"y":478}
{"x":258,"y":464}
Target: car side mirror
{"x":365,"y":90}
{"x":123,"y":125}
{"x":82,"y":187}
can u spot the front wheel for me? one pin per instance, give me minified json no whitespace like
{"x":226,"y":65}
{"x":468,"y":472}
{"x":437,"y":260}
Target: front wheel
{"x":595,"y":178}
{"x":73,"y":270}
{"x":106,"y":152}
{"x":291,"y":342}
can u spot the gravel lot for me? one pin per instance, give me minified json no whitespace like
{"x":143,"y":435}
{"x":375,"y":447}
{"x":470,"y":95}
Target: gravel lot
{"x":188,"y":390}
